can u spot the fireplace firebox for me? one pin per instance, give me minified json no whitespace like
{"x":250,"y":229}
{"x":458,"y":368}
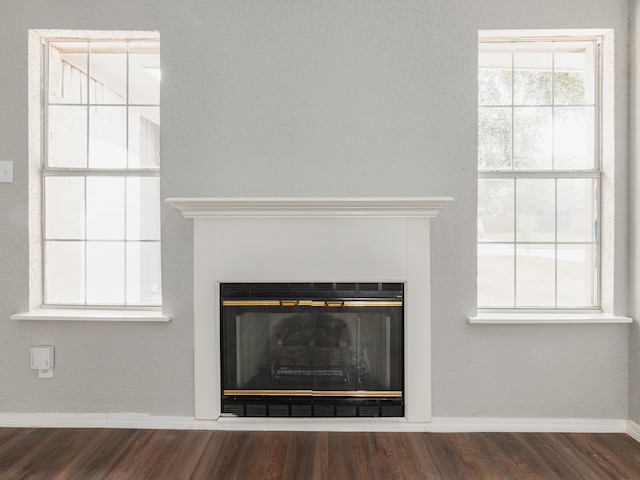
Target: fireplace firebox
{"x":312,"y":349}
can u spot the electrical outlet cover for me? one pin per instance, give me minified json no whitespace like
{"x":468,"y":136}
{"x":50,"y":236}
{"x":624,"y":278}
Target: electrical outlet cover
{"x":42,"y":357}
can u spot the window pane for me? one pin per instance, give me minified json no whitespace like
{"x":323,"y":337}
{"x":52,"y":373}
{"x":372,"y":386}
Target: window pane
{"x":576,"y":276}
{"x":495,"y":275}
{"x":535,"y":210}
{"x":494,"y":75}
{"x":64,"y":213}
{"x":574,"y":80}
{"x":108,"y":84}
{"x":67,"y":72}
{"x":144,"y":137}
{"x":495,"y":210}
{"x":535,"y":275}
{"x":67,"y":138}
{"x":108,"y":137}
{"x":494,"y":87}
{"x":532,"y":74}
{"x":105,"y":273}
{"x":532,"y":139}
{"x":144,"y":73}
{"x":105,"y":208}
{"x":143,"y":208}
{"x":574,"y":138}
{"x":143,"y":273}
{"x":576,"y":210}
{"x":494,"y":138}
{"x":64,"y":273}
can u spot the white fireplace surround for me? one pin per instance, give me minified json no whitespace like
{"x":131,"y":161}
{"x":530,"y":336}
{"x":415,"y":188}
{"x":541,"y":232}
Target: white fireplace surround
{"x":312,"y":240}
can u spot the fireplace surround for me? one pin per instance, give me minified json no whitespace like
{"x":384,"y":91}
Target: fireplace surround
{"x":312,"y":240}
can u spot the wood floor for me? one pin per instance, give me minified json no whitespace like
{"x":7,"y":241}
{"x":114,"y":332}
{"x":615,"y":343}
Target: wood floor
{"x":86,"y":454}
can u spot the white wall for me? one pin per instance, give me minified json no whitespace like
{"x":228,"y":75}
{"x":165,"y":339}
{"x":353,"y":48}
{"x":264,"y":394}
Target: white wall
{"x":314,"y":98}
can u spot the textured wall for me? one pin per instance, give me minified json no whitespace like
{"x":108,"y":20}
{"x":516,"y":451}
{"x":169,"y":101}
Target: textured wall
{"x":314,"y":98}
{"x":634,"y":337}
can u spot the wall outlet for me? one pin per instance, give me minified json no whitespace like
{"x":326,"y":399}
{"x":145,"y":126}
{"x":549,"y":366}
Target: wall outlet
{"x":43,"y":360}
{"x":6,"y":172}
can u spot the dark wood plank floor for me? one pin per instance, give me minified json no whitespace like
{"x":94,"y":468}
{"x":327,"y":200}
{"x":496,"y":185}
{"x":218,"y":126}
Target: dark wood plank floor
{"x":86,"y":454}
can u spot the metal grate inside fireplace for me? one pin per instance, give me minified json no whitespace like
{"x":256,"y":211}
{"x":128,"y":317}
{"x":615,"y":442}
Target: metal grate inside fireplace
{"x":312,"y":349}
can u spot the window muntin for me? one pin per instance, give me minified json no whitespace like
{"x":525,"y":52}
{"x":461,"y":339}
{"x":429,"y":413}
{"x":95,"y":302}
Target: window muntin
{"x":101,"y":223}
{"x":538,"y":162}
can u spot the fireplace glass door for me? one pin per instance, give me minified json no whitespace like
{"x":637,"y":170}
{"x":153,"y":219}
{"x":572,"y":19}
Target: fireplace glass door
{"x":312,"y":349}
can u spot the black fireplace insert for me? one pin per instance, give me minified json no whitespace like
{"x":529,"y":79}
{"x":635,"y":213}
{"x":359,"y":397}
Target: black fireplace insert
{"x":312,"y":349}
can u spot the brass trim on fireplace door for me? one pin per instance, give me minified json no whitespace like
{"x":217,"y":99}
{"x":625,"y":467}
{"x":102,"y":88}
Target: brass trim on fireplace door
{"x":288,"y":393}
{"x":251,"y":303}
{"x":316,"y":393}
{"x":357,"y":393}
{"x":311,"y":303}
{"x":364,"y":303}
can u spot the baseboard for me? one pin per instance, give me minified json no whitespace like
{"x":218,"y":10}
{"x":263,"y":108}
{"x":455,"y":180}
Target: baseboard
{"x":141,"y":421}
{"x":489,"y":424}
{"x":633,"y":429}
{"x":439,"y":424}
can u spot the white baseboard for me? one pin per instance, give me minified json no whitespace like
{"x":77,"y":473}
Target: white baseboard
{"x":142,"y":421}
{"x":439,"y":424}
{"x":488,"y":424}
{"x":633,"y":429}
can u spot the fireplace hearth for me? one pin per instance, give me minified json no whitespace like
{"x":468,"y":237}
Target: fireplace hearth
{"x":312,"y":349}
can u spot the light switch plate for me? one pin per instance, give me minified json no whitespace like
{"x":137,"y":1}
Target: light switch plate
{"x":6,"y":172}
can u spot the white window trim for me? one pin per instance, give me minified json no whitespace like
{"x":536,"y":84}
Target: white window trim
{"x":555,"y":317}
{"x":610,"y":303}
{"x":94,"y":315}
{"x":35,"y":310}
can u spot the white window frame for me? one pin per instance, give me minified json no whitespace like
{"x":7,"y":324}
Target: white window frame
{"x":603,"y":312}
{"x":38,"y":170}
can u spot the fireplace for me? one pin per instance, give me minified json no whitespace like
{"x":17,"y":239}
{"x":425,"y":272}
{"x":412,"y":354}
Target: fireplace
{"x":319,"y":240}
{"x":312,"y":349}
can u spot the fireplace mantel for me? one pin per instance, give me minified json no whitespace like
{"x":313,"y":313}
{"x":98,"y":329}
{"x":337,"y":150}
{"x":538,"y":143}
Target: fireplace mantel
{"x":312,"y":240}
{"x":310,"y":207}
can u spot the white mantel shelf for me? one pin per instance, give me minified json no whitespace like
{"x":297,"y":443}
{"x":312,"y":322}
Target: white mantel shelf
{"x":310,"y":207}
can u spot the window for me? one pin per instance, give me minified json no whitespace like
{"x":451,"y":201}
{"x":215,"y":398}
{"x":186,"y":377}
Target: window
{"x":539,"y":164}
{"x":100,"y":171}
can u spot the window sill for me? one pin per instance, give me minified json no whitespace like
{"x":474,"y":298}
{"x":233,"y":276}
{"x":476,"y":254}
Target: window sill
{"x":89,"y":315}
{"x":498,"y":318}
